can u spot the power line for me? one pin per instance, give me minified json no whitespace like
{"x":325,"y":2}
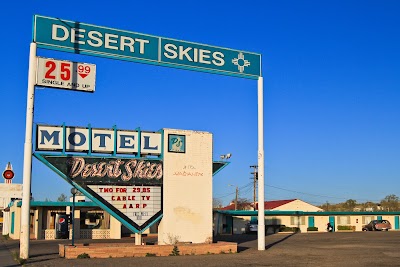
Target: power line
{"x":243,"y":192}
{"x":315,"y":195}
{"x":302,"y":192}
{"x":240,"y":188}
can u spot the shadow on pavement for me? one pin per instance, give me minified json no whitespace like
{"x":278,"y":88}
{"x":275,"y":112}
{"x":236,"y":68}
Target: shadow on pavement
{"x":43,"y":254}
{"x":279,"y":241}
{"x":243,"y":239}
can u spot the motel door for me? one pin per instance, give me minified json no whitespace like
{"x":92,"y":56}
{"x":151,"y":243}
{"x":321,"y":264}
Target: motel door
{"x":311,"y":221}
{"x":332,"y":222}
{"x":229,"y":225}
{"x":12,"y":222}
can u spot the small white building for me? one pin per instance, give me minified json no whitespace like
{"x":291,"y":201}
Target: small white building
{"x":8,"y":193}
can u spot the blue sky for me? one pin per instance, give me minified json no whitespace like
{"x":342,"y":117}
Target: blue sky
{"x":331,"y":91}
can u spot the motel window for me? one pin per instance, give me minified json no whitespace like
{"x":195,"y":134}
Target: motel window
{"x":297,"y":220}
{"x":95,"y":220}
{"x":367,"y":219}
{"x":344,"y":220}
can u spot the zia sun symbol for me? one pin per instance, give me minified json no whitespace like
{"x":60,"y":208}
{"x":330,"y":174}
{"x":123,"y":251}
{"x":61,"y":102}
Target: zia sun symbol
{"x":241,"y":62}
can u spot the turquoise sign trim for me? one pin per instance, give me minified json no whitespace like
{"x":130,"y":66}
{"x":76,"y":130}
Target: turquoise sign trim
{"x":82,"y":38}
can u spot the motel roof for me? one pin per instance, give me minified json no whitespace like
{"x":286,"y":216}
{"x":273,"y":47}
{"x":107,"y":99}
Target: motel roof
{"x":59,"y":204}
{"x":268,"y":205}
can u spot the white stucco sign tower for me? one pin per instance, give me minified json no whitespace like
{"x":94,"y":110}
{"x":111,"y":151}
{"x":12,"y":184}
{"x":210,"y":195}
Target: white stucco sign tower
{"x":187,"y":188}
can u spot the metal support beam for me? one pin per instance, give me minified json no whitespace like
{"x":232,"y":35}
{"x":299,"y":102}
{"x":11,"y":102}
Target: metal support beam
{"x":261,"y":221}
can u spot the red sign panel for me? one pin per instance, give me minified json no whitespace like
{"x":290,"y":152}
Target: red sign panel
{"x":8,"y":174}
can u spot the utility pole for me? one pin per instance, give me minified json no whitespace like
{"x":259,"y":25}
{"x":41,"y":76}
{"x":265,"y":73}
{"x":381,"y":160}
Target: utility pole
{"x":236,"y":199}
{"x":255,"y":178}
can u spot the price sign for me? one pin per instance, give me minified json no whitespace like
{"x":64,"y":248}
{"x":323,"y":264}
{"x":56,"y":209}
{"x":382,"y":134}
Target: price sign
{"x":138,"y":203}
{"x":65,"y":74}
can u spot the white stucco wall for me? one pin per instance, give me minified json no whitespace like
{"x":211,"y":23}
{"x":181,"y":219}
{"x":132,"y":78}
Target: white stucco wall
{"x":187,"y":190}
{"x":115,"y":228}
{"x":8,"y":191}
{"x":321,"y":222}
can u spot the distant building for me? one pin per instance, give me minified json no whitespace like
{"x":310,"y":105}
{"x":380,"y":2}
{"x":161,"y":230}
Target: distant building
{"x":8,"y":193}
{"x":299,"y":214}
{"x":289,"y":204}
{"x":236,"y":224}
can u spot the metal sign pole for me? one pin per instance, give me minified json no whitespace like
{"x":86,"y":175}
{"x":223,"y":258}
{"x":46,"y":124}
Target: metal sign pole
{"x":261,"y":221}
{"x":26,"y":193}
{"x":73,"y":218}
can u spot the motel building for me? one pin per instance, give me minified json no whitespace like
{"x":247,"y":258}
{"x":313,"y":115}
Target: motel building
{"x":295,"y":213}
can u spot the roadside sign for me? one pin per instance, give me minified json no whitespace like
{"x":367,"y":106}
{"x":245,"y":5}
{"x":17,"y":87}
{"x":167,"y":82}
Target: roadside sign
{"x":65,"y":74}
{"x":8,"y":173}
{"x":132,"y":190}
{"x":76,"y":37}
{"x":140,"y":205}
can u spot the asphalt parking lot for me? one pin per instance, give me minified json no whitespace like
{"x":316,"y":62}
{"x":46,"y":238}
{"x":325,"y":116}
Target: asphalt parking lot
{"x":302,"y":249}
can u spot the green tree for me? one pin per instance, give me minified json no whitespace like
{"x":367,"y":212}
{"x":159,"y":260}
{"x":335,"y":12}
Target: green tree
{"x":243,"y":204}
{"x":390,"y":203}
{"x":217,"y":203}
{"x":325,"y":206}
{"x":350,"y":204}
{"x":62,"y":198}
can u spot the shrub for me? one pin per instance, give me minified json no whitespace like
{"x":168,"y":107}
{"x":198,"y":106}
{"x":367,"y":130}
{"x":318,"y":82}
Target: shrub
{"x":17,"y":258}
{"x":345,"y":227}
{"x":83,"y":256}
{"x":290,"y":229}
{"x":312,"y":228}
{"x":151,"y":255}
{"x":175,"y":251}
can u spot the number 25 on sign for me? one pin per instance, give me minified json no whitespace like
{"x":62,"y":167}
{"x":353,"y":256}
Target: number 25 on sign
{"x":65,"y":74}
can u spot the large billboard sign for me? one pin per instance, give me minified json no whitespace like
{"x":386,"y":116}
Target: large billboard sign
{"x":115,"y":171}
{"x":65,"y":74}
{"x":82,"y":38}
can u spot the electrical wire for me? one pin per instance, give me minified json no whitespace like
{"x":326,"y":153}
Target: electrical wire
{"x":315,"y":195}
